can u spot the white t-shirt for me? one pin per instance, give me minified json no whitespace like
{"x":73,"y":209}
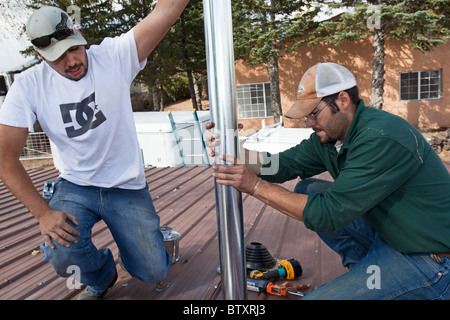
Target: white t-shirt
{"x":89,"y":121}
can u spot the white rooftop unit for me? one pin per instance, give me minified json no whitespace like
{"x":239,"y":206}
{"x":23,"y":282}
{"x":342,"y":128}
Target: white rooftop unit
{"x":158,"y":143}
{"x":276,"y":138}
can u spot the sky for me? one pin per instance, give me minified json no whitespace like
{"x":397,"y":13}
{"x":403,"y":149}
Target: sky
{"x":12,"y":41}
{"x":10,"y":56}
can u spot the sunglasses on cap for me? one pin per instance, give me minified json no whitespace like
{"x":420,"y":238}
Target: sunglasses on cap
{"x":62,"y":32}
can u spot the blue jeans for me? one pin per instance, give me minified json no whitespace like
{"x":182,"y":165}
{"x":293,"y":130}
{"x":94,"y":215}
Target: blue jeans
{"x":134,"y":225}
{"x":376,"y":270}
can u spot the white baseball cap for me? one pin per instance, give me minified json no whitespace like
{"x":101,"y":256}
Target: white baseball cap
{"x":52,"y":32}
{"x":319,"y":81}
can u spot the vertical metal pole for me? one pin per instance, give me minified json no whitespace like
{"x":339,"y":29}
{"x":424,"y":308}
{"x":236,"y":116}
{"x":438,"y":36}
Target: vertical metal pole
{"x":222,"y":99}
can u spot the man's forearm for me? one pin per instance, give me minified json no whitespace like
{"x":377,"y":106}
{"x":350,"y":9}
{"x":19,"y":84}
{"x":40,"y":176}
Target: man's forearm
{"x":243,"y":179}
{"x":285,"y":201}
{"x":19,"y":183}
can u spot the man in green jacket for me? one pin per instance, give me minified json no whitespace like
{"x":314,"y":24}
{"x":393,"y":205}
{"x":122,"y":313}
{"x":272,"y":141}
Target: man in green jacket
{"x":387,"y":213}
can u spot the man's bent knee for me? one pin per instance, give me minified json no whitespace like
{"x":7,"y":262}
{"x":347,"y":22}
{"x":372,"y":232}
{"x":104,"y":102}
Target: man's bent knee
{"x":153,"y":272}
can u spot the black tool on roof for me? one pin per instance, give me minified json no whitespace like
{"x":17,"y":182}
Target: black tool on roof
{"x":289,"y":269}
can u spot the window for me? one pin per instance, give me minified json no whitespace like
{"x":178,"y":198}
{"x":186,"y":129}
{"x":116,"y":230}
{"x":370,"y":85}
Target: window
{"x":3,"y":88}
{"x":254,"y":100}
{"x":420,"y":85}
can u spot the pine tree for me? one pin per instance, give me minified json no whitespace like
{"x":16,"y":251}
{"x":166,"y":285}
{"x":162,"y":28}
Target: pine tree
{"x":190,"y":28}
{"x":263,"y":29}
{"x":181,"y":51}
{"x":127,"y":16}
{"x":424,"y":24}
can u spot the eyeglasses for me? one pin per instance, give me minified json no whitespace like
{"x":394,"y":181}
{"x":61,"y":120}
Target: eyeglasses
{"x":313,"y":116}
{"x":62,"y":32}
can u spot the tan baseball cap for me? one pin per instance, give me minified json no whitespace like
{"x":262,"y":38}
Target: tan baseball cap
{"x":319,"y":81}
{"x":52,"y":32}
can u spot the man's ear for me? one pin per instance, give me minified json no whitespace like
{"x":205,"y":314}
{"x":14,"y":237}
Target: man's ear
{"x":345,"y":100}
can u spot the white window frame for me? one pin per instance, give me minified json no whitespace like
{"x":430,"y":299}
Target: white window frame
{"x":254,"y":106}
{"x":422,"y":87}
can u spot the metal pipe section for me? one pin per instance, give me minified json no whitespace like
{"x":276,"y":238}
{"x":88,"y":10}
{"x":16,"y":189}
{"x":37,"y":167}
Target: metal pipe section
{"x":222,"y":99}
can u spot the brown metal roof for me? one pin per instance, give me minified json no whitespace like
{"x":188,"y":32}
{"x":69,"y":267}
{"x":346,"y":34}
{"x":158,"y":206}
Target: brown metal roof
{"x":185,"y":200}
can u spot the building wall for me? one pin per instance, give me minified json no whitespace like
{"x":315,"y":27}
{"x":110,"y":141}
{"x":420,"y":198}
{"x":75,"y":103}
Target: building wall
{"x":357,"y":57}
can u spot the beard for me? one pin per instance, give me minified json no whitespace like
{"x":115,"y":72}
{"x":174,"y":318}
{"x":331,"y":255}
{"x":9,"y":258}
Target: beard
{"x":335,"y":129}
{"x":76,"y":72}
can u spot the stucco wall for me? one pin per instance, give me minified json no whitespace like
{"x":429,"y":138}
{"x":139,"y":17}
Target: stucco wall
{"x":357,"y":57}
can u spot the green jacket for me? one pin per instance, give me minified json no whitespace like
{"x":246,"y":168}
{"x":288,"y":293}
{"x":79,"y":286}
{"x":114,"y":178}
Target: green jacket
{"x":385,"y":172}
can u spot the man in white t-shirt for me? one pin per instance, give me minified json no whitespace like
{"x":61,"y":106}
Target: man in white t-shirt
{"x":82,"y":101}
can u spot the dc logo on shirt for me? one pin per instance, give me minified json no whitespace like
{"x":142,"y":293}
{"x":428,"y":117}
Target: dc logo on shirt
{"x":86,"y":116}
